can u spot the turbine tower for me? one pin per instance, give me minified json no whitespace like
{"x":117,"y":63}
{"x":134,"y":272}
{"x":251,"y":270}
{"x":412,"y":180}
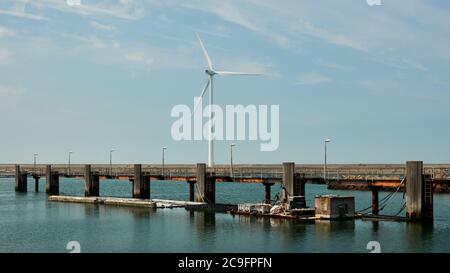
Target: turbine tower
{"x":211,"y":72}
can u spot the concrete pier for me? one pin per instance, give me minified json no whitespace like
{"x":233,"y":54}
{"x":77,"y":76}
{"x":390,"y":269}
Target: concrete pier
{"x":21,"y":180}
{"x":419,"y":186}
{"x":419,"y":193}
{"x":340,"y":176}
{"x":289,"y":181}
{"x":375,"y":201}
{"x":92,"y":182}
{"x":36,"y":182}
{"x":141,"y":183}
{"x":191,"y":190}
{"x":52,"y":183}
{"x":414,"y":190}
{"x":206,"y":185}
{"x":300,"y":183}
{"x":267,"y":193}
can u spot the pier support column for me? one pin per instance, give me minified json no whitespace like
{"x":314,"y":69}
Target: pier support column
{"x":52,"y":183}
{"x":415,"y":190}
{"x":21,"y":180}
{"x":300,"y":182}
{"x":141,"y":184}
{"x":191,"y":191}
{"x":267,"y":195}
{"x":288,"y":180}
{"x":206,"y":185}
{"x":92,"y":182}
{"x":48,"y":172}
{"x":36,"y":182}
{"x":375,"y":201}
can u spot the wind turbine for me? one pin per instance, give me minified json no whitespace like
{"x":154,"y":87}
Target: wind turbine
{"x":211,"y":72}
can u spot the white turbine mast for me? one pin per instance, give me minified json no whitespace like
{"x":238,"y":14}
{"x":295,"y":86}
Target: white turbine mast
{"x":211,"y":72}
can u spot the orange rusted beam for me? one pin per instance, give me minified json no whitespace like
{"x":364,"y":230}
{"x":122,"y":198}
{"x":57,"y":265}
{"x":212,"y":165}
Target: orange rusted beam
{"x":250,"y":180}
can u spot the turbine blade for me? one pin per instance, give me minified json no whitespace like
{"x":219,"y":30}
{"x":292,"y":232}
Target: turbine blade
{"x":208,"y":59}
{"x":230,"y":73}
{"x":202,"y":94}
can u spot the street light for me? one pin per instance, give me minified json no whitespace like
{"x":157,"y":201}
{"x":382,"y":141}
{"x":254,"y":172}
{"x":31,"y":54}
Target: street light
{"x":110,"y":161}
{"x":70,"y":153}
{"x":325,"y":161}
{"x":34,"y":164}
{"x":231,"y":158}
{"x":162,"y":172}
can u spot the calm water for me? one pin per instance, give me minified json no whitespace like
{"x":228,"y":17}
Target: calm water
{"x":29,"y":223}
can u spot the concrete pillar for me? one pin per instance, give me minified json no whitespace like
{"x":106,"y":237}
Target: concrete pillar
{"x":141,"y":184}
{"x":191,"y":191}
{"x":36,"y":182}
{"x":288,"y":180}
{"x":375,"y":202}
{"x":145,"y":192}
{"x":48,"y":172}
{"x":300,"y":182}
{"x":414,"y":190}
{"x":206,"y":185}
{"x":267,"y":195}
{"x":52,"y":183}
{"x":92,"y":182}
{"x":21,"y":180}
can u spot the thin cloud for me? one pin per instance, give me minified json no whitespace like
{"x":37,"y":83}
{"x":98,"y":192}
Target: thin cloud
{"x":11,"y":91}
{"x":234,"y":13}
{"x":139,"y":58}
{"x":330,"y":37}
{"x":102,"y":27}
{"x":311,"y":79}
{"x":6,"y":32}
{"x":5,"y":55}
{"x":22,"y":15}
{"x":383,"y":87}
{"x":336,"y":66}
{"x":125,"y":9}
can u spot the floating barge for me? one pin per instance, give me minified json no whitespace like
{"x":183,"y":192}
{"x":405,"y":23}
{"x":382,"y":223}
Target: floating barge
{"x":327,"y":207}
{"x":307,"y":215}
{"x":221,"y":208}
{"x":126,"y":202}
{"x":371,"y":217}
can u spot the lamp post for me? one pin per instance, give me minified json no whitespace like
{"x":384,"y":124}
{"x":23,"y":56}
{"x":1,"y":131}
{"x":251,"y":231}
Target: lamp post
{"x":110,"y":161}
{"x":325,"y":160}
{"x":34,"y":162}
{"x":70,"y":153}
{"x":163,"y":150}
{"x":231,"y":159}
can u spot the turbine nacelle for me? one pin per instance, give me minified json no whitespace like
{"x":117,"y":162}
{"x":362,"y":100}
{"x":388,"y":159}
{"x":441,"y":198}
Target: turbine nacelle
{"x":210,"y":72}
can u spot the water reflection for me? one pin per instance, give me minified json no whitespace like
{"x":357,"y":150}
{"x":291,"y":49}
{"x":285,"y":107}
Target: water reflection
{"x":375,"y":226}
{"x":326,"y":226}
{"x":206,"y":221}
{"x":418,"y":236}
{"x":91,"y":210}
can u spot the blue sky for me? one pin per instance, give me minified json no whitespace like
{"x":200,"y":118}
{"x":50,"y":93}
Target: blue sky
{"x":106,"y":74}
